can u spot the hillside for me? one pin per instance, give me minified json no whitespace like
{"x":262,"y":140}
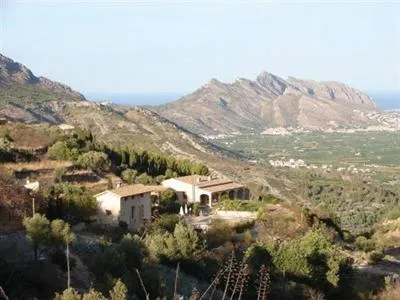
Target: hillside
{"x":270,"y":102}
{"x":27,"y":98}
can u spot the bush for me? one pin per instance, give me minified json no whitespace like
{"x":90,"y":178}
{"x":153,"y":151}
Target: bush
{"x":123,"y":225}
{"x":218,"y":233}
{"x":244,"y":225}
{"x":248,"y":237}
{"x":314,"y":256}
{"x":129,"y":176}
{"x":240,"y":205}
{"x":196,"y":209}
{"x":166,"y":222}
{"x":268,"y":198}
{"x":58,"y":257}
{"x":169,"y":202}
{"x":375,"y":256}
{"x":183,"y":243}
{"x":348,"y":237}
{"x":95,"y":161}
{"x":364,"y":244}
{"x":61,"y":151}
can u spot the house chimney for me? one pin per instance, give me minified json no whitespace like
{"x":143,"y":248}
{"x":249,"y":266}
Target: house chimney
{"x":209,"y":178}
{"x":118,"y":184}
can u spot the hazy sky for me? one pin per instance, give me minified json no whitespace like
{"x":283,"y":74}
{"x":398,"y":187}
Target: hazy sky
{"x":176,"y":46}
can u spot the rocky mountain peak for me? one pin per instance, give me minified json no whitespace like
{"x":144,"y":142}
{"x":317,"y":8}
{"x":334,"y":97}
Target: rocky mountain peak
{"x":14,"y":73}
{"x":272,"y":82}
{"x":269,"y":101}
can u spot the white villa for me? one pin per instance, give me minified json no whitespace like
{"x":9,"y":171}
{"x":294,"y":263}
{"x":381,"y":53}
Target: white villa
{"x":206,"y":189}
{"x":130,"y":204}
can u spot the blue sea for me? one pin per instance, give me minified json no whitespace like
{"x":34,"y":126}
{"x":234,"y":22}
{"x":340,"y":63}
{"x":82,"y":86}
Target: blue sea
{"x":386,"y":100}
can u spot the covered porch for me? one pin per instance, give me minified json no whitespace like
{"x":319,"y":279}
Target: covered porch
{"x":213,"y":196}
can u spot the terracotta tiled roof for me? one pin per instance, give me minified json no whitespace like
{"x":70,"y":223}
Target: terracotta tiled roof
{"x":203,"y":181}
{"x":223,"y":187}
{"x":131,"y":190}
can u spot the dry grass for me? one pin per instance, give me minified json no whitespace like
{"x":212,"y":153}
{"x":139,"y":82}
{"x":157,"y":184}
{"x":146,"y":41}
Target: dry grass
{"x":40,"y":165}
{"x":391,"y":293}
{"x":280,"y":221}
{"x":30,"y":136}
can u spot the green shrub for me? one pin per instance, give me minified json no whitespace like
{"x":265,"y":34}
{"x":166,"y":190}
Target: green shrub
{"x":129,"y":175}
{"x":348,"y":237}
{"x":218,"y":233}
{"x":364,"y":244}
{"x":169,"y":202}
{"x":61,"y":151}
{"x":375,"y":256}
{"x":268,"y":198}
{"x":166,"y":222}
{"x":248,"y":237}
{"x":196,"y":209}
{"x":314,"y":256}
{"x":183,"y":243}
{"x":95,"y":161}
{"x":244,"y":225}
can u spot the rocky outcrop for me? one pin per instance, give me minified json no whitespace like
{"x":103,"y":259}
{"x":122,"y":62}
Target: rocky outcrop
{"x":13,"y":73}
{"x":269,"y":102}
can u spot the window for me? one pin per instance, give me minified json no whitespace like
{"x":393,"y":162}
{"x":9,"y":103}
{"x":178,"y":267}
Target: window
{"x":132,"y":212}
{"x":108,"y":212}
{"x":141,"y":212}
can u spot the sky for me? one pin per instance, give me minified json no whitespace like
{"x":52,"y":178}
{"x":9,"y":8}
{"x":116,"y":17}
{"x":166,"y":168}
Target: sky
{"x":177,"y":46}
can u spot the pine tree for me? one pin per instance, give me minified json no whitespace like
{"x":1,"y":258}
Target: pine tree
{"x":119,"y":291}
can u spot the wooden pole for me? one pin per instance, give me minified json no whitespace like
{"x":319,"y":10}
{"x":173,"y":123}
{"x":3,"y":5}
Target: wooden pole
{"x":68,"y":268}
{"x":176,"y":281}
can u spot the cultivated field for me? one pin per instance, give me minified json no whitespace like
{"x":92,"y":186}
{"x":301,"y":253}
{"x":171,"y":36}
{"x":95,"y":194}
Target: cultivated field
{"x":338,"y":149}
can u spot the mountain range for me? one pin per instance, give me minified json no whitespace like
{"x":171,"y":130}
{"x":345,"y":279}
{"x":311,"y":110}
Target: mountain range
{"x":27,"y":98}
{"x":266,"y":103}
{"x":270,"y":102}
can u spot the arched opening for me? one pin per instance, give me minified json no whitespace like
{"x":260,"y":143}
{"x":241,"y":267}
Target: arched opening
{"x":231,"y":194}
{"x":239,"y":194}
{"x":215,"y":198}
{"x":246,"y":194}
{"x":204,"y":199}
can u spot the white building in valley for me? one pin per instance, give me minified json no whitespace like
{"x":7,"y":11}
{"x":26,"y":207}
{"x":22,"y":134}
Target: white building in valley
{"x":130,"y":204}
{"x":206,"y":189}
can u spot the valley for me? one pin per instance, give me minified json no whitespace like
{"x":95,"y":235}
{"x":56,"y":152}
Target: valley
{"x":332,"y":191}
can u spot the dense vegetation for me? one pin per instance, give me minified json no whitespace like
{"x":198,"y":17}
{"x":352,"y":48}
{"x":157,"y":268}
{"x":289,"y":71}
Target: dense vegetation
{"x":288,"y":252}
{"x":141,"y":166}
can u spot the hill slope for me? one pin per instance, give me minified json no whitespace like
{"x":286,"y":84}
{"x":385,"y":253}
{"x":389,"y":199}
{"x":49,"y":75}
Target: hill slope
{"x":30,"y":99}
{"x":269,"y":102}
{"x":27,"y":98}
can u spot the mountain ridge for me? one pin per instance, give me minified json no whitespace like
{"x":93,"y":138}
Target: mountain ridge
{"x":15,"y":73}
{"x":269,"y":101}
{"x":34,"y":100}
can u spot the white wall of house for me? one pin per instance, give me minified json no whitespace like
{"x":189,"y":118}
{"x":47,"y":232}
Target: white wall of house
{"x":135,"y":210}
{"x":180,"y":186}
{"x":131,"y":210}
{"x":108,"y":202}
